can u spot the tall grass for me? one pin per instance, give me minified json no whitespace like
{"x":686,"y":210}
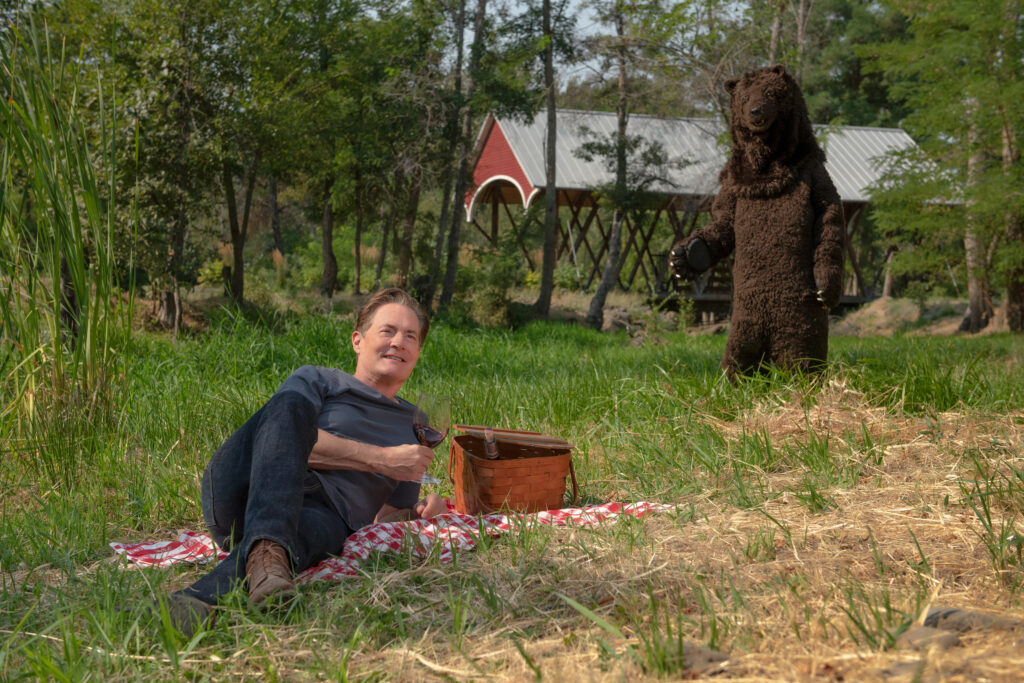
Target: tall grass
{"x":62,"y":317}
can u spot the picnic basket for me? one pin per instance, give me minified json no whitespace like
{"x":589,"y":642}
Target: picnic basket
{"x":528,"y":475}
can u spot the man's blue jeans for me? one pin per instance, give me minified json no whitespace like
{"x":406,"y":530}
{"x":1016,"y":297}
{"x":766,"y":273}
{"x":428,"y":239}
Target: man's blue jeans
{"x":256,"y":486}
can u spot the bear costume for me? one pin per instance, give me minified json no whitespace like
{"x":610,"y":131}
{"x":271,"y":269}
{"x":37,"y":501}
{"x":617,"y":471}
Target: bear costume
{"x":779,"y":211}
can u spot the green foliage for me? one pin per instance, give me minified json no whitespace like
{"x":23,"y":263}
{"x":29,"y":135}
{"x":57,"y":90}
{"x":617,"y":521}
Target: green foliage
{"x":996,"y":496}
{"x":497,"y":269}
{"x":61,"y":317}
{"x":836,"y":83}
{"x":568,"y":276}
{"x":960,"y":75}
{"x":876,"y":617}
{"x":306,"y":264}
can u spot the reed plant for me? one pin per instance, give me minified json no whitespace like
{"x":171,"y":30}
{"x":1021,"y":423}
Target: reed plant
{"x":62,"y":319}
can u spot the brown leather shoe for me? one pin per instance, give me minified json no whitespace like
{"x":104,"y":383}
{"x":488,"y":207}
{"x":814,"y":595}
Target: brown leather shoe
{"x":268,"y":572}
{"x":189,"y":614}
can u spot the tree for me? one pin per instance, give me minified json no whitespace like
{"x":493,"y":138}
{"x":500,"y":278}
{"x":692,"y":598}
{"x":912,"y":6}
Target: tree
{"x":699,"y":44}
{"x":190,"y":87}
{"x":466,"y":114}
{"x":326,"y":38}
{"x":837,"y":85}
{"x":627,"y":19}
{"x":547,"y":32}
{"x":494,"y":80}
{"x":161,"y":50}
{"x":960,"y":74}
{"x":451,"y":137}
{"x":411,"y":114}
{"x":259,"y":110}
{"x":547,"y":279}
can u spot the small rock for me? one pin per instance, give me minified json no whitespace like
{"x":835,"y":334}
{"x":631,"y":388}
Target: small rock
{"x":925,"y":637}
{"x":904,"y":669}
{"x":711,"y":329}
{"x":702,"y":660}
{"x":616,"y":319}
{"x":961,"y":620}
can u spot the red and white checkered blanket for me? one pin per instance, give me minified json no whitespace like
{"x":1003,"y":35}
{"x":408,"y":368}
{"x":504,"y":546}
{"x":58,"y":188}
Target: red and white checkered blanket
{"x":452,"y":531}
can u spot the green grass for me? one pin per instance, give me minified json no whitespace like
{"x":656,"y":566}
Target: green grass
{"x":647,"y":422}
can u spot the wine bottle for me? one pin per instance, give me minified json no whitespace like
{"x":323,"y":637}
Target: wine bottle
{"x":490,"y":445}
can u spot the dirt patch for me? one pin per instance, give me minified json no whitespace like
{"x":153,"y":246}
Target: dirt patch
{"x":941,"y":317}
{"x":881,"y":317}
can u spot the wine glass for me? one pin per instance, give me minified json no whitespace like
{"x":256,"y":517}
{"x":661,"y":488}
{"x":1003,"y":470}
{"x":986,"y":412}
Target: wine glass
{"x":430,"y":422}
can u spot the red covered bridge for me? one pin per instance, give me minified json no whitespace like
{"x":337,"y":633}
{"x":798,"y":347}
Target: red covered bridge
{"x":508,"y":170}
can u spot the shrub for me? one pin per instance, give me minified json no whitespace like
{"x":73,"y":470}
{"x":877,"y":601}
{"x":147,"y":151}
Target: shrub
{"x":499,"y":268}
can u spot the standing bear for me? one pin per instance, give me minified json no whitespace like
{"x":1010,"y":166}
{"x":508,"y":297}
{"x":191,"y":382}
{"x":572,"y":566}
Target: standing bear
{"x":780,"y":213}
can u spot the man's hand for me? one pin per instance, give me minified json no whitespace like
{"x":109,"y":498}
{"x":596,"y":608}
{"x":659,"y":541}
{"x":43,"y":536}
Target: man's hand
{"x":431,"y":506}
{"x":428,"y":507}
{"x":407,"y":462}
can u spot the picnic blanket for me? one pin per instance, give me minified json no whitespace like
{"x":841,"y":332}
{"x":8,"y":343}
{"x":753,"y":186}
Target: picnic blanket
{"x":446,"y":534}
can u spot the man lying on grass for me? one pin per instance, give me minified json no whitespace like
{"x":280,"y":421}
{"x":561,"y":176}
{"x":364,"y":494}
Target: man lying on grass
{"x":329,"y":453}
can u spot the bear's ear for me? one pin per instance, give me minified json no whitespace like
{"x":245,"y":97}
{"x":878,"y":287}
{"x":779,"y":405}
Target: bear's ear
{"x":731,"y":84}
{"x":779,"y":69}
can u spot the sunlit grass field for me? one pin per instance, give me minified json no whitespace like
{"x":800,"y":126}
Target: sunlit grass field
{"x":817,"y":518}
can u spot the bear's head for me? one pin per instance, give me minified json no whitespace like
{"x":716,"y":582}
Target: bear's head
{"x":769,"y":125}
{"x":761,"y":97}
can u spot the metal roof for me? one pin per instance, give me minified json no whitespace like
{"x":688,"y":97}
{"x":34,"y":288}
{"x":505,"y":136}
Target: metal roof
{"x":855,"y":153}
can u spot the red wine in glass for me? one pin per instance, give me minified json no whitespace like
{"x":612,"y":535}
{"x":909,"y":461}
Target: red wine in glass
{"x":430,"y":422}
{"x":428,"y":436}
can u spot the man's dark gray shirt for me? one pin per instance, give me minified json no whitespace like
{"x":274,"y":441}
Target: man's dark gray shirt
{"x":353,"y":410}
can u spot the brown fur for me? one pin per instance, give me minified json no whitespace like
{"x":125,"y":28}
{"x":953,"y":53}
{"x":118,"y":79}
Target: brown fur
{"x":780,"y":213}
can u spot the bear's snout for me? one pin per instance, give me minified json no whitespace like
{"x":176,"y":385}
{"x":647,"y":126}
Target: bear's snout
{"x":760,"y":115}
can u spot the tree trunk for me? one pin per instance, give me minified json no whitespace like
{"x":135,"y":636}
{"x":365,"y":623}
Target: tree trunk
{"x":887,"y":282}
{"x":238,"y":245}
{"x":465,"y":138}
{"x":238,"y":230}
{"x":773,"y":43}
{"x":409,"y":227}
{"x":595,"y":314}
{"x":385,"y":235}
{"x":1014,"y":237}
{"x":169,"y":308}
{"x":168,"y":312}
{"x":803,"y":13}
{"x":357,"y":263}
{"x":547,"y":271}
{"x":979,"y":303}
{"x":329,"y":280}
{"x":228,"y":186}
{"x":442,"y":232}
{"x":452,"y":127}
{"x":1015,"y":276}
{"x":275,"y":216}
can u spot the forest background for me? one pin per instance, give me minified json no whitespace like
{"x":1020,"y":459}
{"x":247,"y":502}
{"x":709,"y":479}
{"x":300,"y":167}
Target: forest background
{"x":318,"y":144}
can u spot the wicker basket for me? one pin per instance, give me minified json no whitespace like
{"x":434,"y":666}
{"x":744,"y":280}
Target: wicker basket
{"x":526,"y":477}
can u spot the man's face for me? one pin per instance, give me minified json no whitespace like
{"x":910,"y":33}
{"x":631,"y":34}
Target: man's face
{"x":387,"y":351}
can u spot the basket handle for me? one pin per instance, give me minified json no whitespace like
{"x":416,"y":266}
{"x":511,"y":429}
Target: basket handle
{"x":572,"y":475}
